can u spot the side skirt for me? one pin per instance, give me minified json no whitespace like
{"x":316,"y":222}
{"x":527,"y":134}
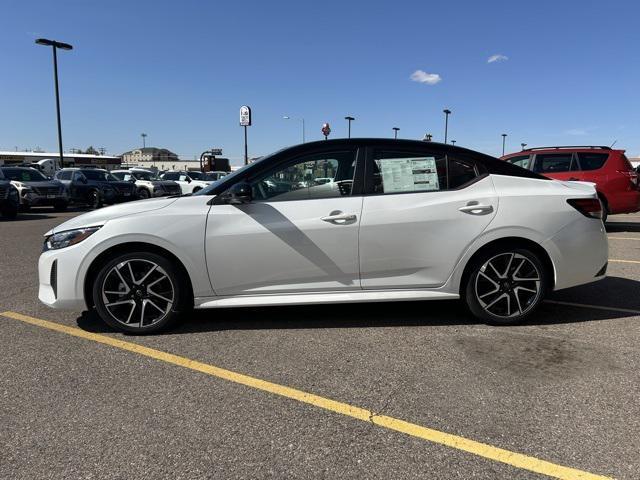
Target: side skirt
{"x":310,"y":298}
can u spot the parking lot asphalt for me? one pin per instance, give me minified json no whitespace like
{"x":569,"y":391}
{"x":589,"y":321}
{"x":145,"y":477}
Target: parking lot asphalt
{"x":562,"y":389}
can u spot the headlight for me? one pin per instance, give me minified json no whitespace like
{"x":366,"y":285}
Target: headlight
{"x":68,"y":238}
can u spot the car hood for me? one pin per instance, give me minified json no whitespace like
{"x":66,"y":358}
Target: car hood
{"x":43,"y":184}
{"x":163,"y":182}
{"x":103,"y":215}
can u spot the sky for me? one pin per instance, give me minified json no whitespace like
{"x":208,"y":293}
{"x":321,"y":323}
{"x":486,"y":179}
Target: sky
{"x":544,"y":72}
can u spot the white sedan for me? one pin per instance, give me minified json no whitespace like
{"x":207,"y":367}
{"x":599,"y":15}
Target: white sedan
{"x":399,"y":220}
{"x":190,"y":182}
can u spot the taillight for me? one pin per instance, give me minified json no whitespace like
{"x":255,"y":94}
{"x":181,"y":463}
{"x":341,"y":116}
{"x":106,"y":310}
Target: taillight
{"x":632,"y":175}
{"x":589,"y":207}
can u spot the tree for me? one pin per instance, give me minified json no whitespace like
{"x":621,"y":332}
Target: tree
{"x":91,"y":151}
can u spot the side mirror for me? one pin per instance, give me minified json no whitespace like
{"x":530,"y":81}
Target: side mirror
{"x":237,"y":194}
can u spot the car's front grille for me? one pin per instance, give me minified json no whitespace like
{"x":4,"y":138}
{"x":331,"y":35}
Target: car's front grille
{"x":47,"y":190}
{"x":4,"y":191}
{"x":53,"y":279}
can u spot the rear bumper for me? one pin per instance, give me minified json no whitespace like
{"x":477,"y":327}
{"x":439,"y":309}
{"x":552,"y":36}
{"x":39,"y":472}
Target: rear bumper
{"x":579,"y":253}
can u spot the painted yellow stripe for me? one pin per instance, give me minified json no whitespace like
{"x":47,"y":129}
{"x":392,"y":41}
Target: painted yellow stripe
{"x":615,"y":260}
{"x":484,"y":450}
{"x":625,"y":238}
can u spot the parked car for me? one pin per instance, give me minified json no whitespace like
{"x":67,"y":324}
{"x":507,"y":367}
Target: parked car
{"x":615,"y":178}
{"x":400,"y":220}
{"x":215,"y":176}
{"x":95,"y":187}
{"x":9,"y":198}
{"x":190,"y":182}
{"x":147,"y":183}
{"x":35,"y":189}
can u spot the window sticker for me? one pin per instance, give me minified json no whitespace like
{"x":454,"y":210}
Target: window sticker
{"x":409,"y":174}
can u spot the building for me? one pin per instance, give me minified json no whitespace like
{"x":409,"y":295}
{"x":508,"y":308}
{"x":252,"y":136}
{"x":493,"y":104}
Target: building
{"x":148,"y":155}
{"x":70,"y":159}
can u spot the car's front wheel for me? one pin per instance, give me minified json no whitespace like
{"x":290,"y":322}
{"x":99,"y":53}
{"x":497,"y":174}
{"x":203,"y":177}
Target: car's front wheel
{"x":139,"y":292}
{"x":143,"y":194}
{"x":505,"y":286}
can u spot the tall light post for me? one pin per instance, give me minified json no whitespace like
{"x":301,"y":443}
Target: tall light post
{"x":144,"y":139}
{"x":349,"y":120}
{"x":504,"y":139}
{"x":523,"y":145}
{"x":395,"y":132}
{"x":446,"y":112}
{"x":287,"y":117}
{"x":54,"y":46}
{"x":453,"y":142}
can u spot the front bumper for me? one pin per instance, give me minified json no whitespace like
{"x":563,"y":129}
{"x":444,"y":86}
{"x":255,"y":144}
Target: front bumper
{"x":58,"y":278}
{"x":33,"y":199}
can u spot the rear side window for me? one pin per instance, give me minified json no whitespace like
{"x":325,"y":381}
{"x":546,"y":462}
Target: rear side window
{"x":404,"y":172}
{"x":170,"y":176}
{"x":520,"y":161}
{"x":554,"y":163}
{"x":64,"y":175}
{"x":592,"y":161}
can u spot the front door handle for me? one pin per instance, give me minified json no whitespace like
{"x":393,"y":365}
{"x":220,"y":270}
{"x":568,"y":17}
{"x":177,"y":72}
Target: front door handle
{"x":339,"y":218}
{"x":474,"y":208}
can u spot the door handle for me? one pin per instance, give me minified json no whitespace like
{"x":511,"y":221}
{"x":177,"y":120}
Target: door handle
{"x":474,"y":208}
{"x":339,"y":218}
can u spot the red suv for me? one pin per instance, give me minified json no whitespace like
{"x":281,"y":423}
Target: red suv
{"x":615,"y":178}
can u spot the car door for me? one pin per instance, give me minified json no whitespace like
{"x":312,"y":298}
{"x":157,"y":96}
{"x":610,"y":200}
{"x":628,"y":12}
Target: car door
{"x":422,"y":209}
{"x":295,"y":235}
{"x":79,"y":186}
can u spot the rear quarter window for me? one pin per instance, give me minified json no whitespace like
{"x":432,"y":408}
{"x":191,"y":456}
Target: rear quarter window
{"x":520,"y":161}
{"x":592,"y":161}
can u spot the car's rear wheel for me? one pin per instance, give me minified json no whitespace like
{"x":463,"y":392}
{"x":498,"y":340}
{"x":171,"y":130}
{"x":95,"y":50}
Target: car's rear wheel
{"x":139,"y":292}
{"x":505,"y":286}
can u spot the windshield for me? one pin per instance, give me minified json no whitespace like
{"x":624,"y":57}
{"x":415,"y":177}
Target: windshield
{"x":142,"y":175}
{"x":24,"y":175}
{"x":197,"y":176}
{"x":99,"y":176}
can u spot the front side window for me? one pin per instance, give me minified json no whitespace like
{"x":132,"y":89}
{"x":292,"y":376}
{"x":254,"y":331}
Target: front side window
{"x":520,"y":160}
{"x":592,"y":161}
{"x":401,"y":172}
{"x":554,"y":163}
{"x":64,"y":175}
{"x":315,"y":176}
{"x":170,"y":176}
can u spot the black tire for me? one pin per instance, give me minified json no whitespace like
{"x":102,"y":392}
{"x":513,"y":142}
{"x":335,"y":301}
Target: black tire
{"x":143,"y":194}
{"x":519,"y":302}
{"x":173,"y":289}
{"x":196,"y":189}
{"x":605,"y":208}
{"x":60,"y":206}
{"x":10,"y":211}
{"x":25,"y":208}
{"x":94,"y":199}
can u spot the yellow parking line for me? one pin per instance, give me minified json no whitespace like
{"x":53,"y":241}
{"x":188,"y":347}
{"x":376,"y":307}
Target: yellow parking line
{"x":615,"y":260}
{"x":515,"y":459}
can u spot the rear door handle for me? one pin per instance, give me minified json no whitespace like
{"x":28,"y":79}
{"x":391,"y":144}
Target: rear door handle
{"x":476,"y":209}
{"x":339,"y":218}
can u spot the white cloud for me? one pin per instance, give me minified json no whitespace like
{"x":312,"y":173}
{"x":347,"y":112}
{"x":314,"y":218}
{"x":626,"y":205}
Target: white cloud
{"x":424,"y":77}
{"x":497,"y":58}
{"x":577,"y":132}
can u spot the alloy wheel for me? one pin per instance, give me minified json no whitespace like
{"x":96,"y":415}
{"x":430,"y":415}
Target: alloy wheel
{"x":508,"y":285}
{"x":138,"y":293}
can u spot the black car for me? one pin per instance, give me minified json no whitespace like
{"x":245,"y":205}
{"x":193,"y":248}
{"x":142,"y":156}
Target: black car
{"x":9,"y":198}
{"x":95,"y":187}
{"x":36,"y":190}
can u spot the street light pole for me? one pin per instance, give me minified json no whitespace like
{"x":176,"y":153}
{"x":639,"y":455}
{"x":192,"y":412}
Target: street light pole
{"x":504,"y":139}
{"x":453,"y":142}
{"x":349,"y":120}
{"x":395,"y":132}
{"x":446,"y":112}
{"x":144,"y":139}
{"x":523,"y":145}
{"x":54,"y":46}
{"x":287,"y":117}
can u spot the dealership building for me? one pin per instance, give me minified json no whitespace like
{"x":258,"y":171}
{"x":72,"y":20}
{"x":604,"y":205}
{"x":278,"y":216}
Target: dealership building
{"x":70,"y":159}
